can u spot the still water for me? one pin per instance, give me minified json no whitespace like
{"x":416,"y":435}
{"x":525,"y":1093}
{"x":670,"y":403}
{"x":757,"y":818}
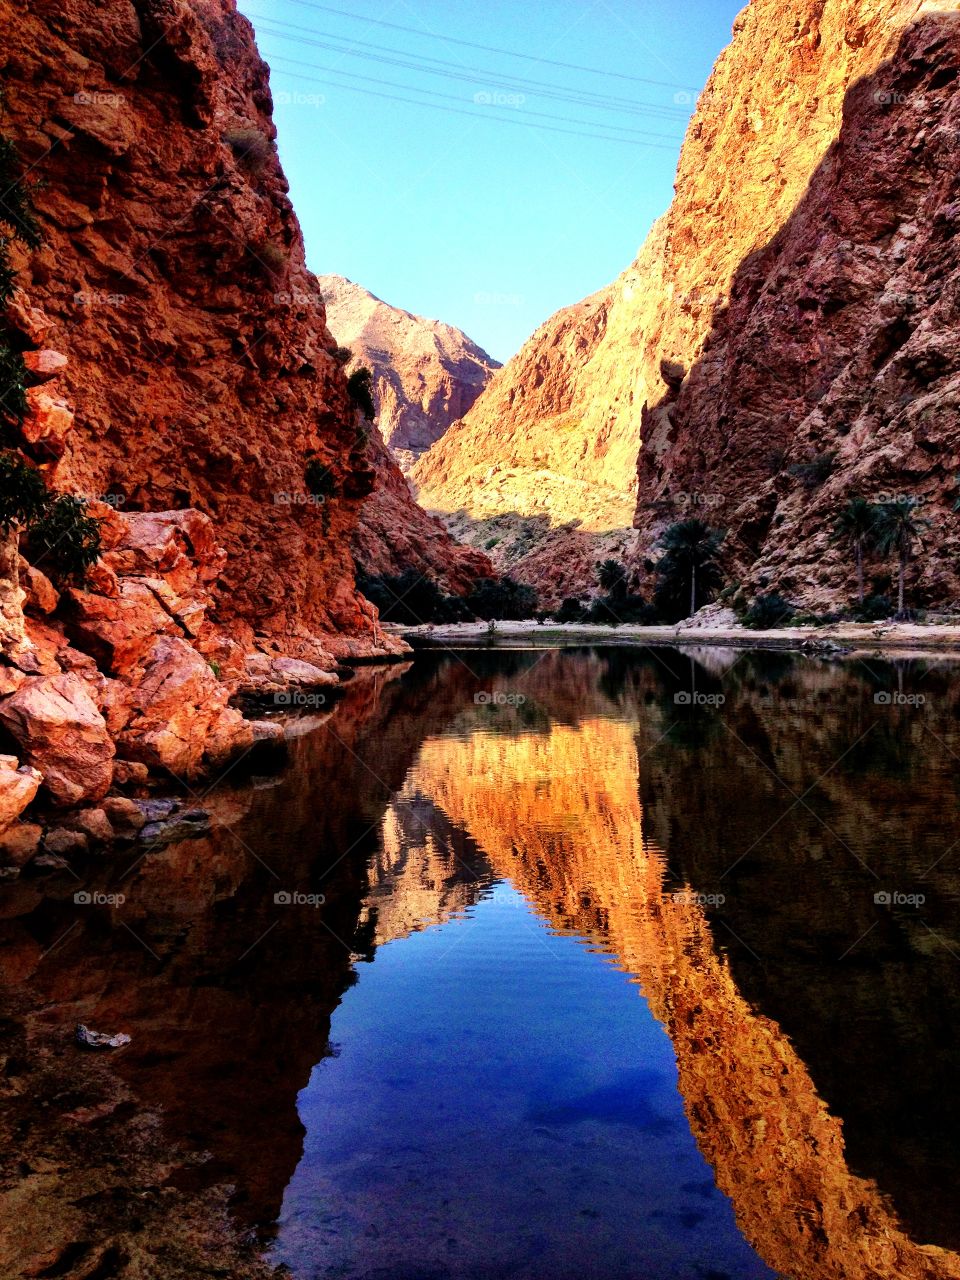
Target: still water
{"x":600,"y":964}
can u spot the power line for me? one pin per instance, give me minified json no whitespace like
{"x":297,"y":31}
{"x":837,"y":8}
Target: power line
{"x":486,"y":48}
{"x":449,"y":97}
{"x":455,"y":71}
{"x":487,"y":117}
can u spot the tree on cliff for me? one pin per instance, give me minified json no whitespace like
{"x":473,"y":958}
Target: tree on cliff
{"x":688,"y":569}
{"x":61,"y":533}
{"x":858,"y":525}
{"x":898,"y":528}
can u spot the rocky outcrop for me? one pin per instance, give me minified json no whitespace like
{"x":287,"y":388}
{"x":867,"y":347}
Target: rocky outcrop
{"x":426,"y":374}
{"x":794,"y":303}
{"x":394,"y":534}
{"x":61,"y":732}
{"x":182,"y":380}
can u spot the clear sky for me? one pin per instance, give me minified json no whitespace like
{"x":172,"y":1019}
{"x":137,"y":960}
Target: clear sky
{"x":470,"y":184}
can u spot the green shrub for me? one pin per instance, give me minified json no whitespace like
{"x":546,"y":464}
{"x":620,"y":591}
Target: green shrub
{"x":23,"y":494}
{"x":409,"y":598}
{"x":572,"y":610}
{"x":64,"y":538}
{"x":273,"y":257}
{"x":252,"y":148}
{"x":502,"y":599}
{"x":768,"y":611}
{"x":360,"y":390}
{"x":875,"y":608}
{"x":490,"y":544}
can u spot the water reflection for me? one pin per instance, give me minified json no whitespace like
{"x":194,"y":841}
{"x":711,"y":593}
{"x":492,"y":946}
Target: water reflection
{"x":719,"y":830}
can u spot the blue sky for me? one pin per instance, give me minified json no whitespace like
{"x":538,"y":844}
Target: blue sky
{"x":470,"y":185}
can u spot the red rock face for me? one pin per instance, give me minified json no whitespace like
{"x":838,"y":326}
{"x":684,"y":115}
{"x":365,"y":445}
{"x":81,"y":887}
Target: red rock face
{"x":839,"y":339}
{"x":172,"y":278}
{"x":426,"y":374}
{"x":798,"y":298}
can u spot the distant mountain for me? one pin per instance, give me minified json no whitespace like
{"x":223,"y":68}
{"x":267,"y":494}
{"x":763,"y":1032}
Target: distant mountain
{"x":426,"y":374}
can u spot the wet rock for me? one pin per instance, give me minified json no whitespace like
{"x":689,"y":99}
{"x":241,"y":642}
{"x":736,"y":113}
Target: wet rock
{"x":125,"y":816}
{"x":94,"y":824}
{"x":19,"y":843}
{"x":186,"y":825}
{"x":63,"y":843}
{"x":61,"y":732}
{"x":100,"y":1039}
{"x":18,"y":786}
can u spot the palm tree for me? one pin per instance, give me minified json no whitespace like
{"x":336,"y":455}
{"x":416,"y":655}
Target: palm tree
{"x":857,"y":525}
{"x":897,"y":529}
{"x":690,"y":550}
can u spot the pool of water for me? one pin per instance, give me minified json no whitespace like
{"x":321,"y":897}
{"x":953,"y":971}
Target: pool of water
{"x":601,"y":963}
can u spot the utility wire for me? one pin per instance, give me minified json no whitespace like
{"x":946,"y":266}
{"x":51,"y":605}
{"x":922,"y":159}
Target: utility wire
{"x":486,"y":48}
{"x":449,"y":97}
{"x":490,"y":117}
{"x":455,"y":71}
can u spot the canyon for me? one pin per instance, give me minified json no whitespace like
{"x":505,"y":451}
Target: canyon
{"x":786,"y":337}
{"x":182,"y":381}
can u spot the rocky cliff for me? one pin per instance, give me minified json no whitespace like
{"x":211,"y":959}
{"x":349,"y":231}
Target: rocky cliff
{"x":795,"y":303}
{"x":182,"y":379}
{"x":426,"y":374}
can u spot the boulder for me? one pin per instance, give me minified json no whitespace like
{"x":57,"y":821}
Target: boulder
{"x":45,"y":364}
{"x":125,"y":816}
{"x":60,"y":731}
{"x":19,"y":843}
{"x":181,"y":720}
{"x":18,"y":786}
{"x":116,"y":631}
{"x":40,"y":595}
{"x":48,"y":422}
{"x":63,"y":842}
{"x":94,"y":824}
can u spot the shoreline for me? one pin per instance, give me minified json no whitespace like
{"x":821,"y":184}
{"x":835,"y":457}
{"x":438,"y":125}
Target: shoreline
{"x":850,"y":639}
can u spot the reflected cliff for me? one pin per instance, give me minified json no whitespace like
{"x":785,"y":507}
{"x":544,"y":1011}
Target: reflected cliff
{"x":726,"y":850}
{"x":718,"y":827}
